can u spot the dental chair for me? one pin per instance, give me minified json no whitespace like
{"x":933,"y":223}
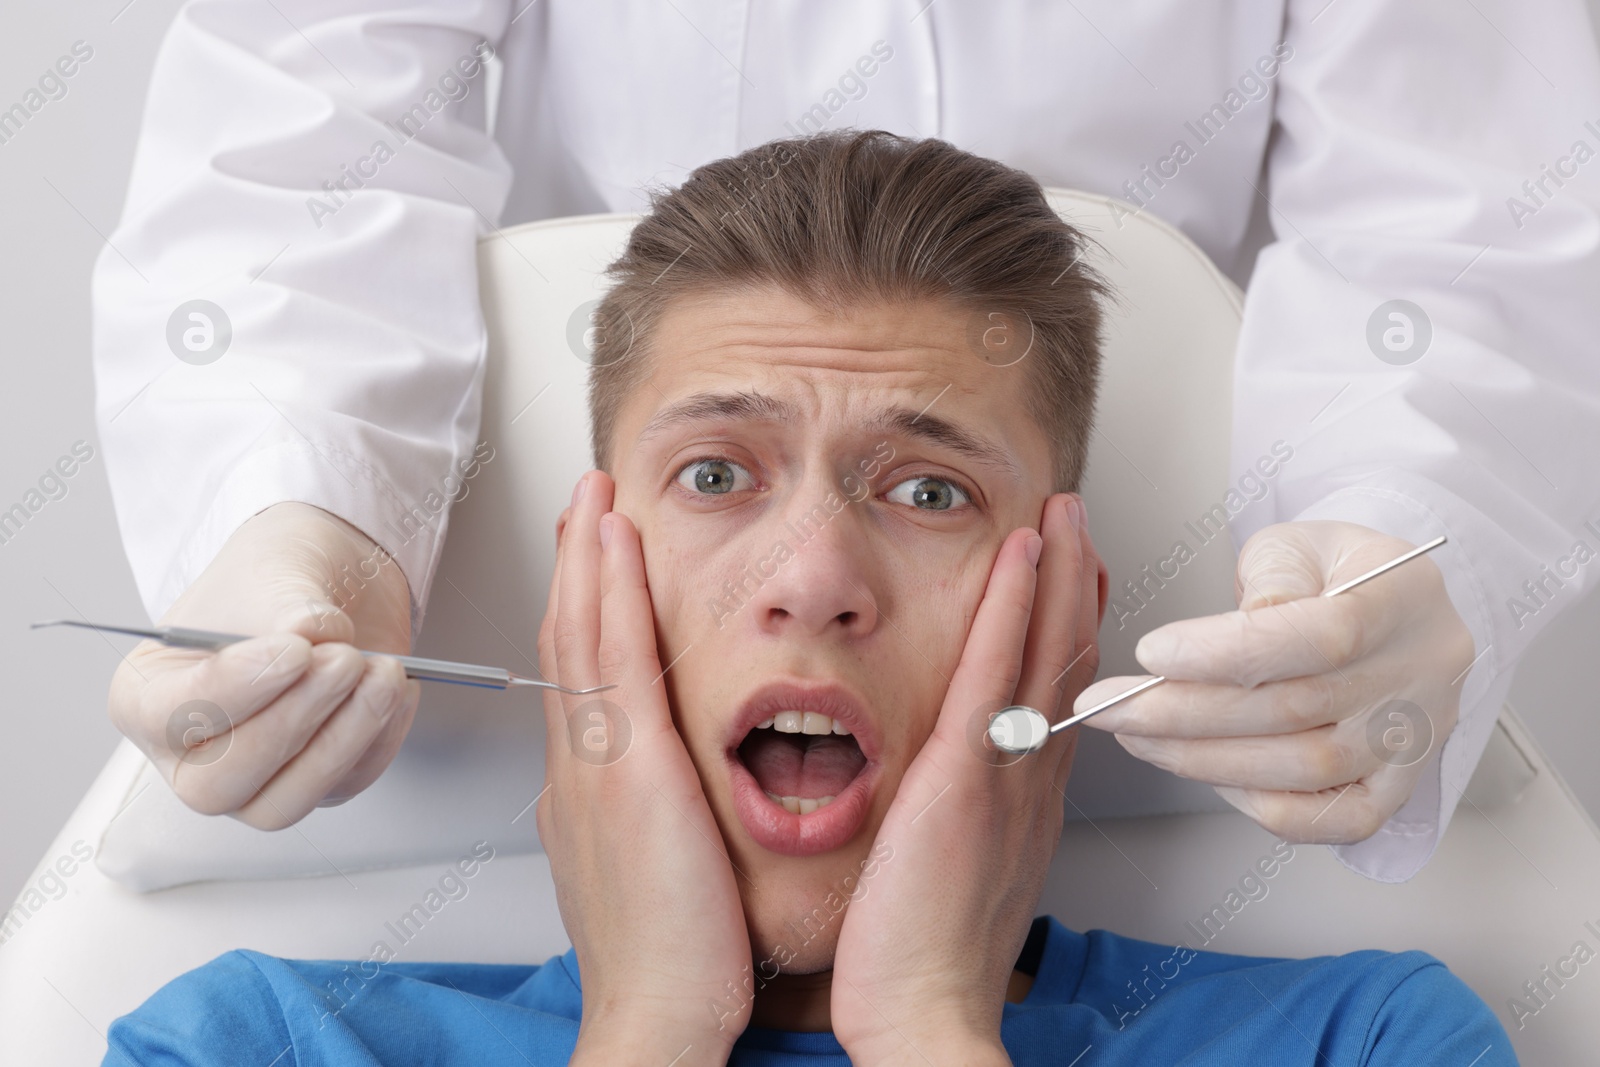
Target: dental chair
{"x":1146,"y":854}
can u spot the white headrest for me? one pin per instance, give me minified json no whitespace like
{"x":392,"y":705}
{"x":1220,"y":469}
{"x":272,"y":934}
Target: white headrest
{"x":474,"y":761}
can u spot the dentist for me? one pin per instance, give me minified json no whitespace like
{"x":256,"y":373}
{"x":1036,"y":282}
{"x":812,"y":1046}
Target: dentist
{"x":289,"y":349}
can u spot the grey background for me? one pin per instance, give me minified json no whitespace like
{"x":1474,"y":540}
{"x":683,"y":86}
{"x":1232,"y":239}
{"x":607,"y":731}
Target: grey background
{"x":62,"y":181}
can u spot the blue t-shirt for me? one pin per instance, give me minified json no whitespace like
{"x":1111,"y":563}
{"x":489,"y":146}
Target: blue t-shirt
{"x":1097,"y":1000}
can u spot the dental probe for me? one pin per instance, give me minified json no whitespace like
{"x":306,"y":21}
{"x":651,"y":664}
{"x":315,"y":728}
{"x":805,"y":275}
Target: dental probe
{"x":1020,"y":729}
{"x":427,"y":670}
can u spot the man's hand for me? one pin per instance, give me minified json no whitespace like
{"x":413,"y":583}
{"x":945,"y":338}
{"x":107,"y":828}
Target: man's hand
{"x":1313,"y":715}
{"x":268,"y":729}
{"x":646,"y":892}
{"x":926,"y":950}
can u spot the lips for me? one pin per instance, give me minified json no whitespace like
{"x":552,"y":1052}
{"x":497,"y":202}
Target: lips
{"x":802,"y":760}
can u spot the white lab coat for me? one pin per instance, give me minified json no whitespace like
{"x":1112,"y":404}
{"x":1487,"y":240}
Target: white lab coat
{"x":1400,"y":131}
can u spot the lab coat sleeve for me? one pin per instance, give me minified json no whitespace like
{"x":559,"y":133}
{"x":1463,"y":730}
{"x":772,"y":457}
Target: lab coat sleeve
{"x":319,"y":171}
{"x":1412,"y":159}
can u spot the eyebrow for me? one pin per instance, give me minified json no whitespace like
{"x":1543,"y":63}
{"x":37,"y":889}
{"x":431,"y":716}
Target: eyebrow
{"x":898,"y":421}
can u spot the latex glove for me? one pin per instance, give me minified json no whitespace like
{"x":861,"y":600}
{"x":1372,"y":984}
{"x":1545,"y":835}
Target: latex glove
{"x":926,"y":954}
{"x":266,"y":730}
{"x":646,"y":891}
{"x":1313,"y":715}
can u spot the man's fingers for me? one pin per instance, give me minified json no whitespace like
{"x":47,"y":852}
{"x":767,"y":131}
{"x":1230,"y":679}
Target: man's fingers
{"x":603,"y":633}
{"x":628,"y":655}
{"x":1092,"y":605}
{"x":555,"y":720}
{"x":337,"y":746}
{"x":226,"y":771}
{"x":991,"y":661}
{"x":577,"y":624}
{"x":1056,"y":622}
{"x":1306,"y":761}
{"x":1086,"y":660}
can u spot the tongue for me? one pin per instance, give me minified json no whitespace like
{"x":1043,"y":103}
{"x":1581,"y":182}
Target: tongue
{"x":802,"y":765}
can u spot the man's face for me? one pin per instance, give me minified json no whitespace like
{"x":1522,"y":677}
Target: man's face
{"x":818,"y":530}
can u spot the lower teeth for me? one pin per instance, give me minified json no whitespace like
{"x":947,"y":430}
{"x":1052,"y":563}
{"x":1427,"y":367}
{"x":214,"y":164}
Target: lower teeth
{"x":799,"y":805}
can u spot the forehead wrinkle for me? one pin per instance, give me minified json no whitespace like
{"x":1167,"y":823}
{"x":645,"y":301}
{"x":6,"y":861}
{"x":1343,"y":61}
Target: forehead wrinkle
{"x":814,"y":353}
{"x":923,"y":426}
{"x":751,"y":406}
{"x":746,"y":405}
{"x":739,"y":326}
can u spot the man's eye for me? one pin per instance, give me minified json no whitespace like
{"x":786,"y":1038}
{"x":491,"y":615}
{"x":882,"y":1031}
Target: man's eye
{"x":714,"y":477}
{"x":930,"y":494}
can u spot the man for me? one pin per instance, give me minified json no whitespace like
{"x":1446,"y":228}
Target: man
{"x":782,"y":837}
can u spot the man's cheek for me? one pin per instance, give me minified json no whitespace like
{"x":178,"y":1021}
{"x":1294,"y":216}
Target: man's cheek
{"x":963,"y":596}
{"x":942,"y":642}
{"x":666,"y":575}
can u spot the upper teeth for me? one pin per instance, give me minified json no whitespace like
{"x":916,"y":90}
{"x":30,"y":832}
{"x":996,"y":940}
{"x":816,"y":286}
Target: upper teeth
{"x":803,"y":722}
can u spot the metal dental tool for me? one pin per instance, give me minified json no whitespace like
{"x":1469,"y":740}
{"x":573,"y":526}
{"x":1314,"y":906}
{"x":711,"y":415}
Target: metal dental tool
{"x":1020,"y":729}
{"x":427,"y":670}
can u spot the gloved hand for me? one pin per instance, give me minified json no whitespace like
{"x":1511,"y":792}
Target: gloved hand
{"x":1313,"y":715}
{"x":266,"y":730}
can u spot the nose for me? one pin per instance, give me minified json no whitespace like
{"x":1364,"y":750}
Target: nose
{"x":824,"y":584}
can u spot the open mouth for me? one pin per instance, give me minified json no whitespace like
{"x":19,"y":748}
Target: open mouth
{"x":802,"y":760}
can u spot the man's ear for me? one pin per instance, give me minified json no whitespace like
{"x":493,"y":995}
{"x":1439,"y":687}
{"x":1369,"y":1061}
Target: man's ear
{"x":1102,"y":582}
